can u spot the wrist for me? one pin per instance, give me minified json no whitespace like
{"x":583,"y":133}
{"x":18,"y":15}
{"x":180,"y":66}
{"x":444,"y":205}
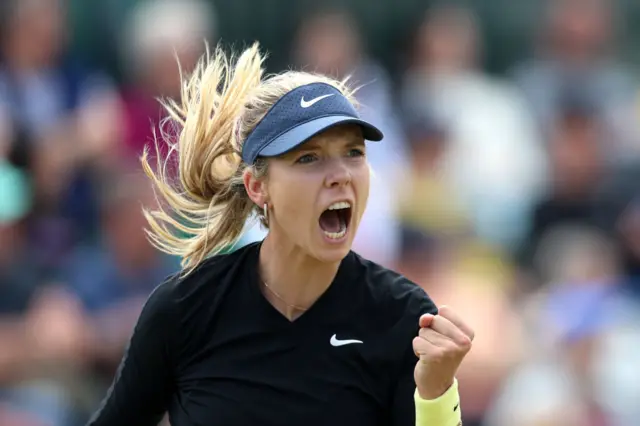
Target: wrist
{"x":442,"y":411}
{"x":434,"y":391}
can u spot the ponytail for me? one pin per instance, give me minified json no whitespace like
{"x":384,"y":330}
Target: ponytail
{"x":209,"y":206}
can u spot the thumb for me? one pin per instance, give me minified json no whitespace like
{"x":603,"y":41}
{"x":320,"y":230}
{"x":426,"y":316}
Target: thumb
{"x":426,"y":320}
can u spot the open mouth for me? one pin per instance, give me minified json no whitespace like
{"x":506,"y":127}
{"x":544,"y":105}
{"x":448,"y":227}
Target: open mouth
{"x":335,"y":220}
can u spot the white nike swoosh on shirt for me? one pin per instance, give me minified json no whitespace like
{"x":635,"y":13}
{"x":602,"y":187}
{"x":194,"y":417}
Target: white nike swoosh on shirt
{"x":307,"y":104}
{"x":336,"y":342}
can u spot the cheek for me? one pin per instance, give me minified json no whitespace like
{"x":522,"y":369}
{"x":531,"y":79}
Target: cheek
{"x":293,"y":201}
{"x":362,"y":185}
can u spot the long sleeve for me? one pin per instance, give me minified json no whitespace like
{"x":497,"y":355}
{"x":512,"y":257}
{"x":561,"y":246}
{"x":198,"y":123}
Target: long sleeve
{"x":144,"y":382}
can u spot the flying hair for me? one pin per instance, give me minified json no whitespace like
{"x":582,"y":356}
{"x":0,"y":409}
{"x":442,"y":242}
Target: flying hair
{"x":204,"y":209}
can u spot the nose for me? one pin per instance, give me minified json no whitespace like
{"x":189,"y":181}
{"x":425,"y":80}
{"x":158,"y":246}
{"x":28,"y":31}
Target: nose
{"x":338,"y":174}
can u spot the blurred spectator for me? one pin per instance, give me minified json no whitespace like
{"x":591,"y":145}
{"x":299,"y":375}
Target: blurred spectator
{"x":616,"y":207}
{"x":577,"y":167}
{"x":114,"y":277}
{"x":628,"y":231}
{"x":161,"y":38}
{"x":493,"y":160}
{"x":427,"y":201}
{"x":421,"y":255}
{"x":17,"y":280}
{"x":576,"y":329}
{"x":576,"y":47}
{"x":40,"y":331}
{"x":63,"y":120}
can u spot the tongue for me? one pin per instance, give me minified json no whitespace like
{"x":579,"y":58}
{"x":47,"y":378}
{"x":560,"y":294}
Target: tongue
{"x":330,"y":221}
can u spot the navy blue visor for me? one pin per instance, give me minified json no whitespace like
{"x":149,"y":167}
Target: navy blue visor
{"x":298,"y":116}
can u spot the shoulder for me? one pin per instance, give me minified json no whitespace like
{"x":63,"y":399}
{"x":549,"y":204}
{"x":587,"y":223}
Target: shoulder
{"x":186,"y":303}
{"x":392,"y":291}
{"x":178,"y":313}
{"x":212,"y":275}
{"x":196,"y":295}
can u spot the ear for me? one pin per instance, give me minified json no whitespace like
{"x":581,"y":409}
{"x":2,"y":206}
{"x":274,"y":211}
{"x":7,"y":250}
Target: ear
{"x":256,"y":188}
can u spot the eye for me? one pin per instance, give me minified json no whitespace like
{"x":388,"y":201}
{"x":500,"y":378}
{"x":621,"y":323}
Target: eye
{"x":305,"y":159}
{"x":356,"y":152}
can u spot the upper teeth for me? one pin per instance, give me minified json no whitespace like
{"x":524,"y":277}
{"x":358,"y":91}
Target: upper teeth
{"x":339,"y":205}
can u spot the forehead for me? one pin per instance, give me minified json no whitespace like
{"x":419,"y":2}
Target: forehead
{"x":345,"y":134}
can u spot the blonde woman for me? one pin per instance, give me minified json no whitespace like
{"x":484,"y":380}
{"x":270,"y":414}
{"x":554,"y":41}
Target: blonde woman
{"x":295,"y":329}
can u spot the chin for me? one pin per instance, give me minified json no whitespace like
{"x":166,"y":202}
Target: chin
{"x":331,"y":250}
{"x":332,"y":254}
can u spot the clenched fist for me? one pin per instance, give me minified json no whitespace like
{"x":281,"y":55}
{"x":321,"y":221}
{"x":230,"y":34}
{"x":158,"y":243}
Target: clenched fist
{"x":442,"y":343}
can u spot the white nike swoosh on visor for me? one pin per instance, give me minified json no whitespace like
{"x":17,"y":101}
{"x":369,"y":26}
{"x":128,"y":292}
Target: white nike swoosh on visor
{"x":307,"y":104}
{"x":336,"y":342}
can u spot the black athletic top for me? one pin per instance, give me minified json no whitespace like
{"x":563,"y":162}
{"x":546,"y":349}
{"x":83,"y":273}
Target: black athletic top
{"x":209,"y":349}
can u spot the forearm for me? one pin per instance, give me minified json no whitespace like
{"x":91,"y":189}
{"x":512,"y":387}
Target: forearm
{"x":442,"y":411}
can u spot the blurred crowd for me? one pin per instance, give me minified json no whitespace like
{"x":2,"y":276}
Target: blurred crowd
{"x":514,"y":198}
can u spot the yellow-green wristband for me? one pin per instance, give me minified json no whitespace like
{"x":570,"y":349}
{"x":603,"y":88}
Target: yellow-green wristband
{"x":442,"y":411}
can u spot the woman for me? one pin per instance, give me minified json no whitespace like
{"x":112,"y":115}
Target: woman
{"x":296,"y":329}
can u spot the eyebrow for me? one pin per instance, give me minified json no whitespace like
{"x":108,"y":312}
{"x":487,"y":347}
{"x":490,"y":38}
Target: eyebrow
{"x":310,"y":145}
{"x":357,"y":141}
{"x":354,"y":141}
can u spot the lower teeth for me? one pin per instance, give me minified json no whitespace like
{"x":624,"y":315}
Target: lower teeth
{"x":336,"y":235}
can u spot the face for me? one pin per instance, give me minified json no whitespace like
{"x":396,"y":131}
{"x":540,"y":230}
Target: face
{"x":38,"y":29}
{"x":328,"y":44}
{"x":576,"y":154}
{"x":317,"y":193}
{"x":161,"y":74}
{"x":448,"y":40}
{"x":124,"y":222}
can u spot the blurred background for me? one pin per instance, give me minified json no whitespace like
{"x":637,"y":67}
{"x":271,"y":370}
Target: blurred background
{"x":508,"y":185}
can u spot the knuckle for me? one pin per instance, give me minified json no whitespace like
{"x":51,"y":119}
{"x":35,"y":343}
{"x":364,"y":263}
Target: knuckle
{"x":466,"y":346}
{"x":452,"y":350}
{"x":416,"y":350}
{"x":432,"y":354}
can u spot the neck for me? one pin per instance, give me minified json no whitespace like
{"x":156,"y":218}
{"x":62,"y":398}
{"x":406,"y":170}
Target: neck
{"x":296,"y":277}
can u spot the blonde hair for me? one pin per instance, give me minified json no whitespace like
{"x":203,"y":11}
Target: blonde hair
{"x":205,"y":209}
